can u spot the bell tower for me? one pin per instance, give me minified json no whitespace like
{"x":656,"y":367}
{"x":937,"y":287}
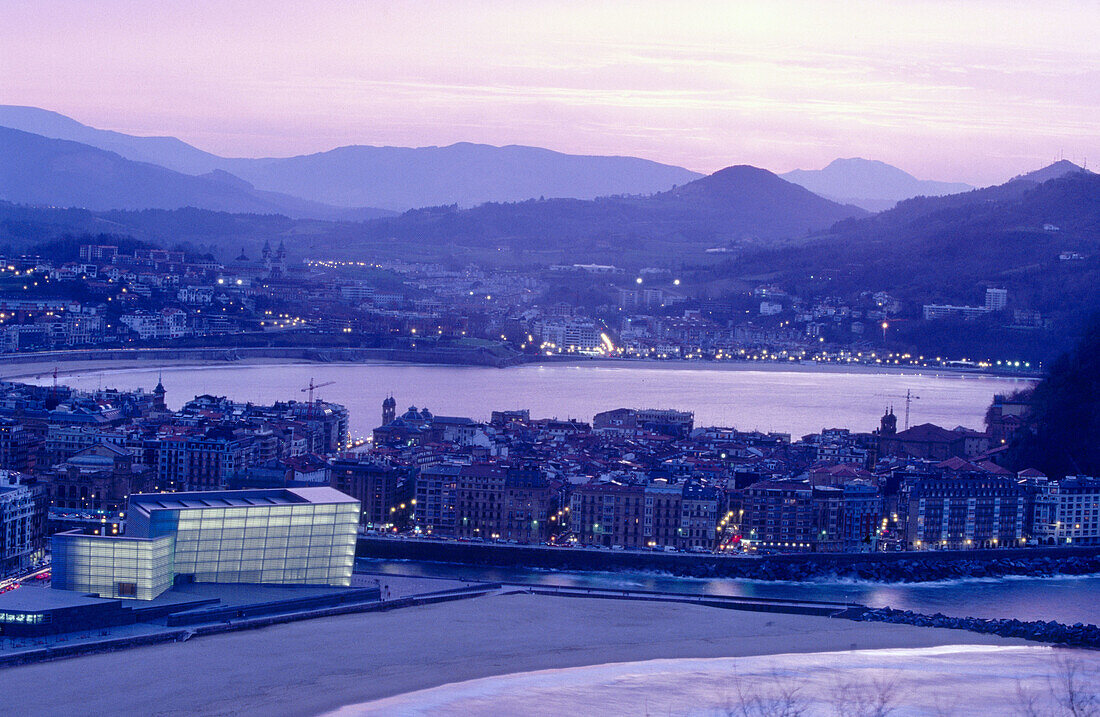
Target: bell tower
{"x":888,"y":426}
{"x":389,"y":411}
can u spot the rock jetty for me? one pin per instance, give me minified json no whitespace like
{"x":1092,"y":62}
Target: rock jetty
{"x":1078,"y":635}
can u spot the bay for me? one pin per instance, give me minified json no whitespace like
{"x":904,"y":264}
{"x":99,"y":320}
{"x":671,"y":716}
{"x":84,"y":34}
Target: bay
{"x":795,"y":400}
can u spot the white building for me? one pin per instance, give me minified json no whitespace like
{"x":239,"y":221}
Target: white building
{"x":1068,"y":512}
{"x":943,"y":311}
{"x":996,"y":299}
{"x":571,"y":335}
{"x":196,"y":295}
{"x":18,"y":531}
{"x":163,"y":324}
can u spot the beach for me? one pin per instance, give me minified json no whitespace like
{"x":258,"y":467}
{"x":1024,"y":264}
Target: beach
{"x":318,"y":666}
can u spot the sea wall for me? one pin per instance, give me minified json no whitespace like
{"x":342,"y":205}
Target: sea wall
{"x":884,"y":567}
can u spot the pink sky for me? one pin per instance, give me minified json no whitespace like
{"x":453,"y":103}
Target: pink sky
{"x":971,"y":91}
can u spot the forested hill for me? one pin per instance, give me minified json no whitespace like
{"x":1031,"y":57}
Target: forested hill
{"x":739,"y":204}
{"x":1001,"y":203}
{"x":1039,"y":241}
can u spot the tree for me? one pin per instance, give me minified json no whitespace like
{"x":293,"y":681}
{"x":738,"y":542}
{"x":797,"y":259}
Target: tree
{"x":1061,"y":435}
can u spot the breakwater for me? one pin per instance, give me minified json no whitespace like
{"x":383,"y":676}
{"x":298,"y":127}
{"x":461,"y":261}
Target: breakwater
{"x":901,"y":567}
{"x":1077,"y":635}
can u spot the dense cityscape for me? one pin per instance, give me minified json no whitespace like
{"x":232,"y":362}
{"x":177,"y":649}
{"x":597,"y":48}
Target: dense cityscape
{"x":631,"y":479}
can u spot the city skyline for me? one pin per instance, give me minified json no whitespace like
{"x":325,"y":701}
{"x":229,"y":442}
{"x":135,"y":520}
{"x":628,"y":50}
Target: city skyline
{"x":975,"y":93}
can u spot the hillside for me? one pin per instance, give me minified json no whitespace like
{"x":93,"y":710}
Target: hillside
{"x":870,"y":184}
{"x":738,"y":205}
{"x":922,"y":212}
{"x":948,"y":249}
{"x":38,"y":170}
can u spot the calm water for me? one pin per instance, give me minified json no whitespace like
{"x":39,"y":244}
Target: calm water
{"x":796,"y":401}
{"x":1067,"y":599}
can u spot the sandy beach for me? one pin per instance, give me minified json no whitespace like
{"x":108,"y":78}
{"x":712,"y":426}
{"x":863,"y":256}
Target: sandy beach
{"x":316,"y":666}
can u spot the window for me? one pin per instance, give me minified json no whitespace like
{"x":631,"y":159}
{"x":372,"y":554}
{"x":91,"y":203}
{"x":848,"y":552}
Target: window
{"x":127,"y":590}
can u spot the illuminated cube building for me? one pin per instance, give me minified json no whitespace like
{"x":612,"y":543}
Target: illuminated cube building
{"x":293,"y":536}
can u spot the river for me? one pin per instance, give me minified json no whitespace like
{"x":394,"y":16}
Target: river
{"x":1066,"y":599}
{"x":795,"y":400}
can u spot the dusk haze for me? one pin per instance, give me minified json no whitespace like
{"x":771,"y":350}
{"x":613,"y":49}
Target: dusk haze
{"x":500,"y":358}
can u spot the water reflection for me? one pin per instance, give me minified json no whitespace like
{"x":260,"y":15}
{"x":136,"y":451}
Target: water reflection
{"x":1065,"y":599}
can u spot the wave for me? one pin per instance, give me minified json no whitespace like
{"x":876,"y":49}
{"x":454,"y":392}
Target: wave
{"x":954,"y":679}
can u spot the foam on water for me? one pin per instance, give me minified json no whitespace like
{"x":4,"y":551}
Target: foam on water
{"x":947,"y":680}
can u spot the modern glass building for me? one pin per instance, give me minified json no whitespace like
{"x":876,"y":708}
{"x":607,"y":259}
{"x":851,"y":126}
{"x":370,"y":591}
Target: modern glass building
{"x":302,"y":536}
{"x":113,"y":566}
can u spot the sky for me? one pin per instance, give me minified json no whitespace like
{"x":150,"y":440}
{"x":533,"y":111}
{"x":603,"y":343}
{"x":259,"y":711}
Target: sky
{"x":974,"y":90}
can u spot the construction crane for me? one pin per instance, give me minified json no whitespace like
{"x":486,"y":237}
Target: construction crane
{"x":311,"y":387}
{"x":909,"y":398}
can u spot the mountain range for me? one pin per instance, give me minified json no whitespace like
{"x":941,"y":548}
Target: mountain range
{"x":736,"y":206}
{"x":463,"y":174}
{"x":392,"y":178}
{"x":38,"y":170}
{"x":870,"y":184}
{"x":123,"y":186}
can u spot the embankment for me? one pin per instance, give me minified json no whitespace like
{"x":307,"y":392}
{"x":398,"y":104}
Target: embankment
{"x":907,"y":567}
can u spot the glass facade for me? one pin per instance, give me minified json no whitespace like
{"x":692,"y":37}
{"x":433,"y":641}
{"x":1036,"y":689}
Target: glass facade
{"x":305,"y":544}
{"x":112,"y":567}
{"x":295,"y":536}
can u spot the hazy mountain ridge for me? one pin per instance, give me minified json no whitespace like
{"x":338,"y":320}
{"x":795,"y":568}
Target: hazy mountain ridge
{"x":39,"y":170}
{"x":464,"y":174}
{"x":395,"y":178}
{"x":870,"y":184}
{"x":738,"y":204}
{"x":735,"y":204}
{"x":167,"y":152}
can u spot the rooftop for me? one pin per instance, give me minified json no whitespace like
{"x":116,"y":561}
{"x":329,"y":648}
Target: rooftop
{"x":149,"y":502}
{"x":37,"y":598}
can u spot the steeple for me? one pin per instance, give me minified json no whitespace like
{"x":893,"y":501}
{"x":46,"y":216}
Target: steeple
{"x":158,"y":395}
{"x":888,"y":426}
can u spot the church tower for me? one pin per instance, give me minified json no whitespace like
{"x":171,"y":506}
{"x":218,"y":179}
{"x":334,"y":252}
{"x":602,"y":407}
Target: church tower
{"x":888,"y":426}
{"x":389,"y":411}
{"x":158,"y":396}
